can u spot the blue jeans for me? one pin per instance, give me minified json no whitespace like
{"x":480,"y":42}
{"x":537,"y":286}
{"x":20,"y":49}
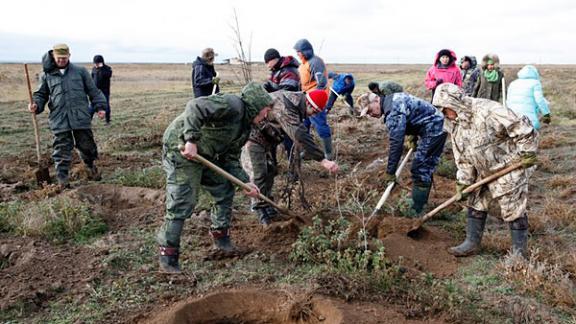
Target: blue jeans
{"x":320,"y":123}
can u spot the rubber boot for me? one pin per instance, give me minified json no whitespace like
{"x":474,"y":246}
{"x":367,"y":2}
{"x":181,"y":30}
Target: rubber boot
{"x":519,"y":232}
{"x":169,"y":259}
{"x":420,"y":193}
{"x":222,"y":240}
{"x":474,"y":230}
{"x":327,"y":141}
{"x":272,"y":213}
{"x":262,"y":215}
{"x":93,"y":173}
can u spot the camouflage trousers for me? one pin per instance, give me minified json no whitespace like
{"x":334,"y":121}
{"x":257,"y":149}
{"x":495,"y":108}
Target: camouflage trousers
{"x":426,"y":158}
{"x":510,"y":192}
{"x":184,"y":179}
{"x":264,"y":167}
{"x":64,"y":143}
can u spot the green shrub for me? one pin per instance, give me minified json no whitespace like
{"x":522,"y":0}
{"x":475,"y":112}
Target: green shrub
{"x":152,"y":177}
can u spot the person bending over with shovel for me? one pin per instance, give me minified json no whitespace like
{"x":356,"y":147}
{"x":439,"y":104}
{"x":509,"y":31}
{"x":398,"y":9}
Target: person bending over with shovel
{"x":66,"y":88}
{"x":286,"y":119}
{"x":487,"y":137}
{"x":216,"y":128}
{"x":422,"y":125}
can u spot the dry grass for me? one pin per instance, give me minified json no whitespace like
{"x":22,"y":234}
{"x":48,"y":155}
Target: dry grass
{"x":540,"y":277}
{"x":561,"y":181}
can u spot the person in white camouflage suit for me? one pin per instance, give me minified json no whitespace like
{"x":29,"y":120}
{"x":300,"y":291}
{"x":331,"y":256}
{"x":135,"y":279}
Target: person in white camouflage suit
{"x":487,"y":137}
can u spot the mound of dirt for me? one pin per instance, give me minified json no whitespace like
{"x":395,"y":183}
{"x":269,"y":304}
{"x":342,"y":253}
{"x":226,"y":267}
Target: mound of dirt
{"x":427,"y":253}
{"x":122,"y":206}
{"x":34,"y":272}
{"x":259,"y":306}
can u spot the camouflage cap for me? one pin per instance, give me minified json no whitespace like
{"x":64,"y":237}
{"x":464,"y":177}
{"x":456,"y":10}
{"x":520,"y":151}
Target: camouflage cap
{"x":390,"y":87}
{"x":255,"y":98}
{"x":61,"y":49}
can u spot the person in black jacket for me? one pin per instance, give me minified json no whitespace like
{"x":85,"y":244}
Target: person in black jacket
{"x":101,"y":75}
{"x":204,"y":77}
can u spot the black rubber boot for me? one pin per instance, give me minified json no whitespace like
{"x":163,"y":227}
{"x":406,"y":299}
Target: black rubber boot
{"x":519,"y":232}
{"x":420,"y":193}
{"x":169,"y":259}
{"x":93,"y":173}
{"x":272,"y":213}
{"x":327,"y":141}
{"x":222,"y":240}
{"x":263,"y":217}
{"x":474,"y":230}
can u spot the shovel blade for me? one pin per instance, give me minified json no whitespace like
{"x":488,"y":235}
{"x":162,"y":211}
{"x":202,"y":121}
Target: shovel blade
{"x":42,"y":176}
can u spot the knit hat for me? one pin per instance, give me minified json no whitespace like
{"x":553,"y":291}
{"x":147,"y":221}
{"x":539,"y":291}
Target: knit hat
{"x":98,"y":59}
{"x":255,"y":98}
{"x":271,"y":54}
{"x":61,"y":49}
{"x":317,"y":99}
{"x":490,"y":61}
{"x":208,"y":53}
{"x":443,"y":52}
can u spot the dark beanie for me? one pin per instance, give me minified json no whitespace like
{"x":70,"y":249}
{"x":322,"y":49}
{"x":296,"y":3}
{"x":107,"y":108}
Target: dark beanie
{"x":98,"y":59}
{"x":445,"y":52}
{"x":271,"y":54}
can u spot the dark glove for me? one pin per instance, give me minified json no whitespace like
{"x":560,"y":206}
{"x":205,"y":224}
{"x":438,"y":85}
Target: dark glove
{"x":460,"y":195}
{"x":410,"y":142}
{"x":546,"y":119}
{"x":389,"y":178}
{"x":439,"y":81}
{"x":528,"y":159}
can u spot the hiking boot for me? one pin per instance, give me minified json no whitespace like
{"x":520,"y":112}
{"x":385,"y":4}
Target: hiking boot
{"x":420,"y":193}
{"x":222,"y":240}
{"x":168,"y":259}
{"x":474,"y":230}
{"x":63,"y":184}
{"x":272,"y":213}
{"x":263,"y":217}
{"x":519,"y":232}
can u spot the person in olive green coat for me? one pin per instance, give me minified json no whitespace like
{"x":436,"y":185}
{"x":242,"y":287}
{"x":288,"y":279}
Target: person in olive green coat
{"x":66,"y":88}
{"x":489,"y":84}
{"x":215,"y":127}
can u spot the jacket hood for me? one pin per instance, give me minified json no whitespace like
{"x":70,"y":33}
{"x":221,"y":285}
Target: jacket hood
{"x":452,"y":96}
{"x":48,"y":64}
{"x":472,"y":59}
{"x":528,"y":72}
{"x":494,"y":58}
{"x":443,"y":52}
{"x":199,"y":61}
{"x":288,"y":61}
{"x":305,"y":47}
{"x":255,"y":98}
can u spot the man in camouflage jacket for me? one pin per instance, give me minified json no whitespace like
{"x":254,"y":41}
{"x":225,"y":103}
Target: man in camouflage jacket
{"x":216,"y":127}
{"x":66,"y":88}
{"x":487,"y":137}
{"x":285,"y":120}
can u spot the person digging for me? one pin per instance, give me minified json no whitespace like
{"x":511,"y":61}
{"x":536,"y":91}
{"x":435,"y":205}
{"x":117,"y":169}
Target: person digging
{"x":487,"y":137}
{"x":286,"y":119}
{"x":413,"y":123}
{"x":215,"y":127}
{"x":66,"y":88}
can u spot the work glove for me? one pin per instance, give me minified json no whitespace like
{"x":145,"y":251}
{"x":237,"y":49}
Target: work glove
{"x":410,"y":142}
{"x":546,"y":119}
{"x":439,"y":81}
{"x":215,"y":80}
{"x":460,"y":195}
{"x":389,"y":178}
{"x":528,"y":159}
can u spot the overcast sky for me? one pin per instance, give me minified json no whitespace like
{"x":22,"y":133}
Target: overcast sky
{"x":360,"y":31}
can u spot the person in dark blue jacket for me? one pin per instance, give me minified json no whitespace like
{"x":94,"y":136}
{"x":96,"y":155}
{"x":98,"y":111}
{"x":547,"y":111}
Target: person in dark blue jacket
{"x":422,"y":124}
{"x":204,"y":76}
{"x":101,"y":75}
{"x":341,"y":88}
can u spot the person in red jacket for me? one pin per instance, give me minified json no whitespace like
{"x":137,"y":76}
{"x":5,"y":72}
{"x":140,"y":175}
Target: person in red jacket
{"x":444,"y":70}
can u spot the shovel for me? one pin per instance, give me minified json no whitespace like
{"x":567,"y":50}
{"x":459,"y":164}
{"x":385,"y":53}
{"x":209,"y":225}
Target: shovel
{"x":215,"y":85}
{"x":504,"y":92}
{"x":390,"y":186}
{"x":42,"y":173}
{"x":414,"y":231}
{"x":346,"y":102}
{"x":244,"y":186}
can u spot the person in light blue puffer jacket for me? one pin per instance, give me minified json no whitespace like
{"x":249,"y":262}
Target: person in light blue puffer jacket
{"x":525,"y":96}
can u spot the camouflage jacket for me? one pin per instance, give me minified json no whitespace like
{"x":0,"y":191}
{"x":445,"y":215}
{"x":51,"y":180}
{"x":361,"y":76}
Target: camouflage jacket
{"x":286,"y":118}
{"x":219,"y":125}
{"x":486,"y":136}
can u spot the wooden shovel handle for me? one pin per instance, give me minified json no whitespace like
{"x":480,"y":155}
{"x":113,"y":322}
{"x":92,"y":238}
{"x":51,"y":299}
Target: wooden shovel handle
{"x":471,"y":188}
{"x":34,"y":121}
